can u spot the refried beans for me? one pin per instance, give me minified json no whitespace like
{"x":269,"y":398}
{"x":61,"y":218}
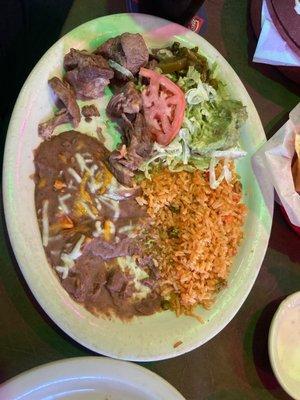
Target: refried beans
{"x":87,"y":220}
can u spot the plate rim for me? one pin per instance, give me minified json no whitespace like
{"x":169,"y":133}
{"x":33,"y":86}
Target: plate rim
{"x":11,"y":224}
{"x":91,"y":366}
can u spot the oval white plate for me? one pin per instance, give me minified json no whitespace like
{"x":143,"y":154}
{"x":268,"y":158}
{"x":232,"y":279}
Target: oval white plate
{"x":287,"y":375}
{"x":88,"y":378}
{"x":147,"y":338}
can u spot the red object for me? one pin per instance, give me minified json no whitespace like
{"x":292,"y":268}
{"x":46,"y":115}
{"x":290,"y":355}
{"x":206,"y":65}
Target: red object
{"x":294,"y":227}
{"x":195,"y":24}
{"x":164,"y":105}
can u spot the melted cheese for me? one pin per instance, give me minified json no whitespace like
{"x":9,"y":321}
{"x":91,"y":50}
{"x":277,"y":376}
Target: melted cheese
{"x":112,"y":204}
{"x":94,"y":185}
{"x":62,"y":205}
{"x":87,"y":209}
{"x":83,"y":166}
{"x":74,"y":174}
{"x":128,"y":263}
{"x":98,"y":204}
{"x":70,"y":185}
{"x":126,"y":228}
{"x":45,"y":223}
{"x":98,"y":229}
{"x":68,"y":259}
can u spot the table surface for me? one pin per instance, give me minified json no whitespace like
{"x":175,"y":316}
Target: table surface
{"x":234,"y":365}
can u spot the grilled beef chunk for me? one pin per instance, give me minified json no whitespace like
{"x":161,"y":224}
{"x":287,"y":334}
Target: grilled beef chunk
{"x":86,"y":281}
{"x":69,"y":113}
{"x":108,"y":250}
{"x":144,"y":307}
{"x":67,"y":96}
{"x":119,"y":285}
{"x":147,"y":264}
{"x":139,"y":147}
{"x":127,"y":101}
{"x":116,"y":281}
{"x":122,"y":174}
{"x":46,"y":129}
{"x":90,"y":111}
{"x":128,"y":50}
{"x":141,"y":140}
{"x":82,"y":59}
{"x":88,"y":73}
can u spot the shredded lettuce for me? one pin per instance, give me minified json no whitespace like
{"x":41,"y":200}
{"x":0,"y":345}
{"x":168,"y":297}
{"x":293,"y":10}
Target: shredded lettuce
{"x":210,"y":130}
{"x":176,"y":156}
{"x":212,"y":119}
{"x":191,"y":80}
{"x":230,"y":153}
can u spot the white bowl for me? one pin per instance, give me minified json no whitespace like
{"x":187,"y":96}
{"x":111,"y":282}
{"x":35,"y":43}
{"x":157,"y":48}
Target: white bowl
{"x":144,"y":338}
{"x":284,"y":345}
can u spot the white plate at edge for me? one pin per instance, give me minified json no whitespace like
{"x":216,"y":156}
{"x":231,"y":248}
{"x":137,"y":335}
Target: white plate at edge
{"x":88,"y":378}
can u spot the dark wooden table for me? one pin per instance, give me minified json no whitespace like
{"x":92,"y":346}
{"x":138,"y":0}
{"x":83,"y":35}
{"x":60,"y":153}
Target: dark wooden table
{"x":234,"y":365}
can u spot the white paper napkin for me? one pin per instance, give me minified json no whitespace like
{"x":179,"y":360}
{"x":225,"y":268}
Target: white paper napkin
{"x":271,"y":48}
{"x":274,"y":160}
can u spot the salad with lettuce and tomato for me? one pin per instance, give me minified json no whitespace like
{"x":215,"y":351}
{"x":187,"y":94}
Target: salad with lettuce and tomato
{"x":193,"y":119}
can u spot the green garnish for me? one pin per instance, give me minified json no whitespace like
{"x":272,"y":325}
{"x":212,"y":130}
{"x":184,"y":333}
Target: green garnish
{"x":165,"y":305}
{"x":174,"y":208}
{"x":173,"y":233}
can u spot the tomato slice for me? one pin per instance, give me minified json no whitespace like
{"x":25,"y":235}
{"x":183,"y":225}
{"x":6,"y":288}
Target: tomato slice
{"x":164,"y":105}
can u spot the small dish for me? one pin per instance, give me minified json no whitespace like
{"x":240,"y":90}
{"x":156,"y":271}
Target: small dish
{"x":284,"y":345}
